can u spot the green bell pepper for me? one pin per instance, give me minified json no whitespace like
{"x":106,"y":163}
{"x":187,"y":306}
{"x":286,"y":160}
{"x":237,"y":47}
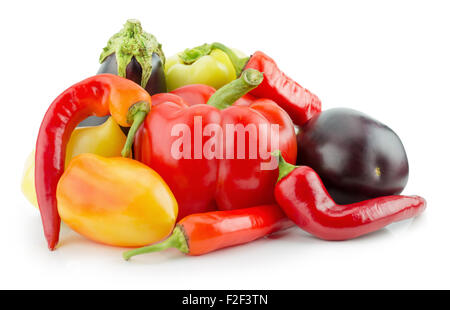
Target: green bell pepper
{"x":210,"y":64}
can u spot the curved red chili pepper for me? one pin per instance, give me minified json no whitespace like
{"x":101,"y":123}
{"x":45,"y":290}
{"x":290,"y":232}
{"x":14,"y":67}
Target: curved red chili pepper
{"x":298,"y":102}
{"x":303,"y":197}
{"x":99,"y":95}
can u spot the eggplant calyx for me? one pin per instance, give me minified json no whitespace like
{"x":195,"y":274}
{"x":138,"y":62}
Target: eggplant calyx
{"x":131,"y":42}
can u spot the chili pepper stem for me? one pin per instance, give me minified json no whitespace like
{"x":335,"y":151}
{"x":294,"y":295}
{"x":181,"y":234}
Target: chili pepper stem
{"x":284,"y":168}
{"x":136,"y":115}
{"x":229,"y":93}
{"x":176,"y":240}
{"x":238,"y":63}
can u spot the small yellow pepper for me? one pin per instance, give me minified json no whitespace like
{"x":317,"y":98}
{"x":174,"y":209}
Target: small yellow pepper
{"x":106,"y":140}
{"x":116,"y":201}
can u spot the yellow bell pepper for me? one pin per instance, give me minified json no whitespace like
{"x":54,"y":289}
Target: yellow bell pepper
{"x":116,"y":201}
{"x":106,"y":140}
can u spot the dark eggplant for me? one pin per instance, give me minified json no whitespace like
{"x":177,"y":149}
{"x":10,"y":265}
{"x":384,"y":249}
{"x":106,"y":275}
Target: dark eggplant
{"x":156,"y":83}
{"x":136,"y":55}
{"x":356,"y":156}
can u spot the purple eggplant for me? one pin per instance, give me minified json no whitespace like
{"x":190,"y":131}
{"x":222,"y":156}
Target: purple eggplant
{"x":156,"y":83}
{"x":356,"y":156}
{"x":136,"y":55}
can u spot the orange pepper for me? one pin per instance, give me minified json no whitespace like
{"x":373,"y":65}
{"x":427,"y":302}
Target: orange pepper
{"x":116,"y":201}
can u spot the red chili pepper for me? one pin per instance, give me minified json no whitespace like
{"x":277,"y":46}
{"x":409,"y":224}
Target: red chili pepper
{"x":202,"y":184}
{"x":100,"y":95}
{"x":201,"y":233}
{"x":303,"y":197}
{"x":298,"y":102}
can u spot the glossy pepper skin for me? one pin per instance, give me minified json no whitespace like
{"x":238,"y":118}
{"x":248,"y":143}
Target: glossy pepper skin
{"x":212,"y":68}
{"x":101,"y":95}
{"x":305,"y":200}
{"x":202,"y":233}
{"x":116,"y":201}
{"x":105,"y":140}
{"x":206,"y":184}
{"x":296,"y":100}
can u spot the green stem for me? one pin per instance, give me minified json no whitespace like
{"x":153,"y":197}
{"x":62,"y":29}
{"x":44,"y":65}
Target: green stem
{"x":238,"y":63}
{"x":136,"y":115}
{"x":191,"y":55}
{"x":229,"y":93}
{"x":176,"y":240}
{"x":284,"y":168}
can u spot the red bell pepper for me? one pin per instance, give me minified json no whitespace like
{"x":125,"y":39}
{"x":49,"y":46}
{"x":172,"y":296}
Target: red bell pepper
{"x":201,"y":183}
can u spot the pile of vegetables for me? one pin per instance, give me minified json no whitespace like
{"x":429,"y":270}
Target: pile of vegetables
{"x":199,"y":153}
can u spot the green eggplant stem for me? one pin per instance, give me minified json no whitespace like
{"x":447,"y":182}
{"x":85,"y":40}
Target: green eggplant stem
{"x":176,"y":240}
{"x":135,"y":116}
{"x":284,"y":168}
{"x":229,"y":93}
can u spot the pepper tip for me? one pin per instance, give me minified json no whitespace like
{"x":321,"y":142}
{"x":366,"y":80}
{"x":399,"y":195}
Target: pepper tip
{"x":52,"y":246}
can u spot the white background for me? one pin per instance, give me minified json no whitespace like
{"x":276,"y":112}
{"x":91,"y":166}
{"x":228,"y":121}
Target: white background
{"x":389,"y":59}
